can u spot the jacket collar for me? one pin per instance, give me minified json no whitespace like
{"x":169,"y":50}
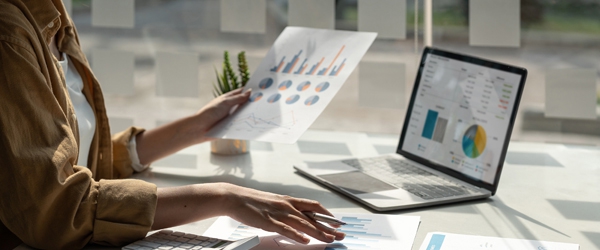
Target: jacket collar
{"x":46,"y":15}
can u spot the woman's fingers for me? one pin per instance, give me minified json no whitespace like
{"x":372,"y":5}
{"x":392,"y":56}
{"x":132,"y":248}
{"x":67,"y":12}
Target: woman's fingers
{"x":310,"y":227}
{"x":299,"y":205}
{"x":282,"y":214}
{"x":319,"y":227}
{"x":337,"y":234}
{"x":287,"y":231}
{"x":293,"y":227}
{"x":312,"y":206}
{"x":234,"y":92}
{"x":237,"y":97}
{"x":309,"y":205}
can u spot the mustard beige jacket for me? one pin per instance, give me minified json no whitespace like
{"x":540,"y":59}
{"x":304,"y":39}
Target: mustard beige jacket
{"x":47,"y":201}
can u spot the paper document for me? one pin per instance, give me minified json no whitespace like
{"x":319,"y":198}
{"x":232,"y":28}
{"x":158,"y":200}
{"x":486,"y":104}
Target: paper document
{"x":293,"y":84}
{"x":446,"y":241}
{"x":363,"y":231}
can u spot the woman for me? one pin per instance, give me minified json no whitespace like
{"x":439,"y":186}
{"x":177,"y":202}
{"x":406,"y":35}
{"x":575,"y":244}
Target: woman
{"x":59,"y":161}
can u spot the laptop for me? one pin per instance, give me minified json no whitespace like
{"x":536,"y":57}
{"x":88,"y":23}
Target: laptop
{"x":453,"y":142}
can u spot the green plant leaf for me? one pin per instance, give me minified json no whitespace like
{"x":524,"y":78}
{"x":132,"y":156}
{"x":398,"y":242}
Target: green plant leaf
{"x":216,"y":90}
{"x":227,"y":80}
{"x":243,"y":68}
{"x":219,"y":87}
{"x":228,"y":71}
{"x":225,"y":84}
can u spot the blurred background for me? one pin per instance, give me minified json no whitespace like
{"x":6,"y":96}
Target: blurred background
{"x":133,"y":44}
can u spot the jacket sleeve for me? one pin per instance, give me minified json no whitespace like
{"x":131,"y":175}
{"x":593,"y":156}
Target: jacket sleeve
{"x":45,"y":200}
{"x":122,"y":163}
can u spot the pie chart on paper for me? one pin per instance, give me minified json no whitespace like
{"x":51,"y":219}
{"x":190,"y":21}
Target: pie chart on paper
{"x":322,"y":86}
{"x":285,"y":85}
{"x":274,"y":98}
{"x":292,"y":99}
{"x":474,"y":141}
{"x":265,"y":83}
{"x":311,"y":100}
{"x":303,"y":86}
{"x":256,"y":96}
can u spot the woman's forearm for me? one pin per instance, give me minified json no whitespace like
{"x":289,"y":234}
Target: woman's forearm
{"x":185,"y":204}
{"x":170,"y":138}
{"x":167,"y":139}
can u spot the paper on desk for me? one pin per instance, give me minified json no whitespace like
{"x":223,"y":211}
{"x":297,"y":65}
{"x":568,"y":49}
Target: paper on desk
{"x":300,"y":75}
{"x":363,"y":231}
{"x":446,"y":241}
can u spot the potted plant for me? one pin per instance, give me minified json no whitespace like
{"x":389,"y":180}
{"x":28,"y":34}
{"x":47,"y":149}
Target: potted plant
{"x":227,"y":81}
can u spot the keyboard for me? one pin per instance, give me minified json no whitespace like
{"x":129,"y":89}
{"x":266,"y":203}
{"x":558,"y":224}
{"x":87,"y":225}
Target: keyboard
{"x":404,"y":174}
{"x":173,"y":240}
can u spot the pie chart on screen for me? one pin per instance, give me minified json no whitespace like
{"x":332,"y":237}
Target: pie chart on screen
{"x":311,"y":100}
{"x":474,"y":141}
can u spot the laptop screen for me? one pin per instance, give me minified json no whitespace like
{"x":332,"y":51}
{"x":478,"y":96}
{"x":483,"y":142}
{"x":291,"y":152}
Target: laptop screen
{"x":461,"y":114}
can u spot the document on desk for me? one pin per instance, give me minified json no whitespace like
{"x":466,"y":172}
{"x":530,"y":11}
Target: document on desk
{"x":446,"y":241}
{"x":363,"y":231}
{"x":293,"y":84}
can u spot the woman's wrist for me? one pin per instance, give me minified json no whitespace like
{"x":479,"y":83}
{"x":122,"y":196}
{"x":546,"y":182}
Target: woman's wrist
{"x":228,"y":197}
{"x":197,"y":128}
{"x":185,"y":204}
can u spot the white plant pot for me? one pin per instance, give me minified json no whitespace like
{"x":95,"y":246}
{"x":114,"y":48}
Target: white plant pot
{"x":229,"y":146}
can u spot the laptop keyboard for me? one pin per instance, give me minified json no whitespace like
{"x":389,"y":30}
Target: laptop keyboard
{"x":407,"y":176}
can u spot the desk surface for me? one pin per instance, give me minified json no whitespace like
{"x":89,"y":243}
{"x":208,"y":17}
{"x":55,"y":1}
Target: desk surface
{"x":547,"y":191}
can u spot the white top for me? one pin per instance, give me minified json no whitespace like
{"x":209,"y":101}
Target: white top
{"x":86,"y":120}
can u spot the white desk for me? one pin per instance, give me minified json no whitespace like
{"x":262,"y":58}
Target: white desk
{"x":547,"y":191}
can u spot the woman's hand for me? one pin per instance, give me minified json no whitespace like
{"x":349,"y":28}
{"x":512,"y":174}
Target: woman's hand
{"x":278,"y":213}
{"x":271,"y":212}
{"x":219,"y":108}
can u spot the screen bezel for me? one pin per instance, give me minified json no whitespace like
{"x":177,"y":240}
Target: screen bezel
{"x":481,"y":62}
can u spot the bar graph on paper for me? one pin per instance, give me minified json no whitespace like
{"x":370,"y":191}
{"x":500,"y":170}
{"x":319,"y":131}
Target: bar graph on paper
{"x":332,"y":69}
{"x":363,"y":231}
{"x":294,"y":83}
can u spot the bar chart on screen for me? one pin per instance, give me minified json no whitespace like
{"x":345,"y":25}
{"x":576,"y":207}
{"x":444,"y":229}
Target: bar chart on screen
{"x":363,"y":231}
{"x":300,"y":74}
